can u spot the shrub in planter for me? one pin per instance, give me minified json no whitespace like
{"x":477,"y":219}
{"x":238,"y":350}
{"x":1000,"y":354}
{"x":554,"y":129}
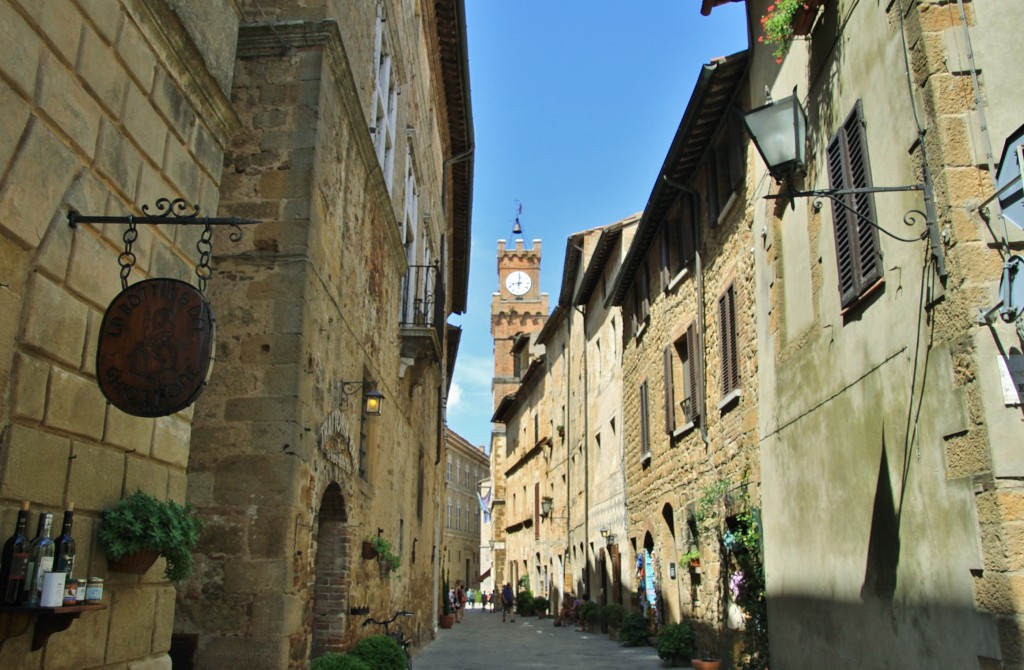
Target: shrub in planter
{"x":612,"y":615}
{"x":141,"y":523}
{"x":675,"y":642}
{"x":380,"y":652}
{"x":590,"y":614}
{"x":524,"y":602}
{"x":335,"y":661}
{"x":540,"y":605}
{"x":634,"y":630}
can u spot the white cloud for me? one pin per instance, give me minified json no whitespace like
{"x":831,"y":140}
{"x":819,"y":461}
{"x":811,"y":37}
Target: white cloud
{"x":454,"y":396}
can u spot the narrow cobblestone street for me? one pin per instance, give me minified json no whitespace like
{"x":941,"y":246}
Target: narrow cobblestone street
{"x":483,"y":641}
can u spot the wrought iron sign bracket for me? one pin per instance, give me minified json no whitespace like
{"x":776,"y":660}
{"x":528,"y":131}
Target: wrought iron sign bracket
{"x":169,"y":212}
{"x":930,"y":218}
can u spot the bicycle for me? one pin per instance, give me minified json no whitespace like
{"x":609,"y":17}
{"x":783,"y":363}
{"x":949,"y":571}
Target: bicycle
{"x":397,"y":635}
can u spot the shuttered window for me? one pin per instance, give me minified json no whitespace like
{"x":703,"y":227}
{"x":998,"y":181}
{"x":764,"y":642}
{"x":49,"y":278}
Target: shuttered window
{"x":645,"y":429}
{"x":727,"y":332}
{"x":682,"y":404}
{"x":857,"y":250}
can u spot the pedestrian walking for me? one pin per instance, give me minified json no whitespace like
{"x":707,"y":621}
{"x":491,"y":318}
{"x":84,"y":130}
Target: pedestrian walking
{"x":508,"y":598}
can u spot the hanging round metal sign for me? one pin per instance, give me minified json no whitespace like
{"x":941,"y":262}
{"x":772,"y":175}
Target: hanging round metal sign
{"x":155,"y":347}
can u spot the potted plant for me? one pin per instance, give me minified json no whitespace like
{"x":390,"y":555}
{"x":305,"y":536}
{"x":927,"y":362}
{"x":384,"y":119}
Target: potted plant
{"x":675,"y":643}
{"x":786,"y":19}
{"x":561,"y":431}
{"x":386,"y":556}
{"x":140,"y":528}
{"x":332,"y":660}
{"x":380,"y":651}
{"x":540,"y":606}
{"x":524,"y":601}
{"x":634,"y":630}
{"x":612,"y":615}
{"x":691,"y":557}
{"x":590,"y":615}
{"x":447,"y":619}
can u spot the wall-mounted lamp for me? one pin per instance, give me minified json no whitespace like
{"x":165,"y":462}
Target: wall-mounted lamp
{"x":372,"y":398}
{"x":779,"y":131}
{"x":545,"y":506}
{"x":609,"y":538}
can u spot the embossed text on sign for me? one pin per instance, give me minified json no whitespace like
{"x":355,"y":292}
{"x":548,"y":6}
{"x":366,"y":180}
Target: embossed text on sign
{"x":155,"y":347}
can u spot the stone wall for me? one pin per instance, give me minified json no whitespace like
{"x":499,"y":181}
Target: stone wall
{"x":109,"y":106}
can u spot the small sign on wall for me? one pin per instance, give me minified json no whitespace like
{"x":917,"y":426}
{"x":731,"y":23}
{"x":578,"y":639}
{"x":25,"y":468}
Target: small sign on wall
{"x":1011,"y":374}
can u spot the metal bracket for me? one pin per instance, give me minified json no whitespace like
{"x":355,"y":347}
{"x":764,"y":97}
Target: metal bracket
{"x":169,"y":212}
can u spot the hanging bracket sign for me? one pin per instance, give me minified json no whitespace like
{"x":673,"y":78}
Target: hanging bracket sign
{"x":155,"y":348}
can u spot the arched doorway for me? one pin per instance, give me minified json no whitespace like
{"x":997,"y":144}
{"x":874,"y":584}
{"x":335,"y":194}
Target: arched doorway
{"x":330,"y":589}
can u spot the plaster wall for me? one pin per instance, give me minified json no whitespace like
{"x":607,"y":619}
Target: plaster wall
{"x":872,"y":544}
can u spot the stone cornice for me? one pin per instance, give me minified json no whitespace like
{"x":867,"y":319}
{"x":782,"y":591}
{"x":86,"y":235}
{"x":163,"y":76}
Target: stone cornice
{"x":176,"y":48}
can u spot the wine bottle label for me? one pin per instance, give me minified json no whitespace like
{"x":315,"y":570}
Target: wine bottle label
{"x":66,"y":564}
{"x":45,"y":565}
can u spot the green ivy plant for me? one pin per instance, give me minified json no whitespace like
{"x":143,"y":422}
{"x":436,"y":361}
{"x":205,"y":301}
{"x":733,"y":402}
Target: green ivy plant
{"x":141,"y":522}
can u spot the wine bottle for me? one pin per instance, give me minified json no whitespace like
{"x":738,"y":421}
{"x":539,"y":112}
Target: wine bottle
{"x":40,"y":561}
{"x":14,"y":563}
{"x":64,"y":555}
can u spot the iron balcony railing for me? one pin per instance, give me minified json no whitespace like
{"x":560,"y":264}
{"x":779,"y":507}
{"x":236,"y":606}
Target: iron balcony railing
{"x":423,"y":299}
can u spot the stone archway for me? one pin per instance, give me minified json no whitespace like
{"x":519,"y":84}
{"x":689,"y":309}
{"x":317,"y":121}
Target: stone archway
{"x":330,"y":590}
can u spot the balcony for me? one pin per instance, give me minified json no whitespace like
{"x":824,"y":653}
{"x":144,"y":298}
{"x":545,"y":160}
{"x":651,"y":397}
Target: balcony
{"x":422,"y":319}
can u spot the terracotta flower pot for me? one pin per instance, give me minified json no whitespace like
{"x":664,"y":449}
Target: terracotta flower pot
{"x":135,"y":564}
{"x":369,"y":552}
{"x":706,"y":665}
{"x":447,"y":620}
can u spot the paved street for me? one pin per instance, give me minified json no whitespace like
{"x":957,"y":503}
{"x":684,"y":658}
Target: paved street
{"x":483,"y":642}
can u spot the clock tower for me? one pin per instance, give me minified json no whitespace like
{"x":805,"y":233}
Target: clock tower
{"x":517,"y":307}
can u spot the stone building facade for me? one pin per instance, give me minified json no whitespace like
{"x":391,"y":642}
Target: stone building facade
{"x":889,"y":450}
{"x":261,"y":111}
{"x":690,"y":388}
{"x":513,"y":316}
{"x":466,"y":465}
{"x":108,"y":106}
{"x":356,"y":152}
{"x":564,"y":475}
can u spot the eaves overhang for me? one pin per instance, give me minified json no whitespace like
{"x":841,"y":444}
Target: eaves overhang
{"x":599,"y":259}
{"x":553,"y":323}
{"x":713,"y":97}
{"x":453,"y":48}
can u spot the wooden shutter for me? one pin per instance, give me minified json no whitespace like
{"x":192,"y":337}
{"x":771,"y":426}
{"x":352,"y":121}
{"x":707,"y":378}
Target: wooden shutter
{"x":858,"y":260}
{"x":645,"y":435}
{"x":693,"y":392}
{"x":665,"y":271}
{"x":727,"y":330}
{"x":536,"y":510}
{"x":670,"y":403}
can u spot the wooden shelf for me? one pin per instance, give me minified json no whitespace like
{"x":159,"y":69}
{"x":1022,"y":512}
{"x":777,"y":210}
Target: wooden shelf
{"x":15,"y":620}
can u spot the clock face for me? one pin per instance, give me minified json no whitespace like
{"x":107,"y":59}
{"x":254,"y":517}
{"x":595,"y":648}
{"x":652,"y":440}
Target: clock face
{"x":518,"y":283}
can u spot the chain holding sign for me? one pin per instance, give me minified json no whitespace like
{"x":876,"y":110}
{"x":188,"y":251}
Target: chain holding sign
{"x":156,"y":341}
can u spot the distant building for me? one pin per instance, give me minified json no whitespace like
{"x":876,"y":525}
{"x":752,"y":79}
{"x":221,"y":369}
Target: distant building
{"x":466,"y":467}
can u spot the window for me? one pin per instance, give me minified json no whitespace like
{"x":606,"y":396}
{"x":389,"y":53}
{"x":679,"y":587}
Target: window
{"x":727,"y":332}
{"x":448,"y":470}
{"x":858,"y":256}
{"x":449,"y":523}
{"x":682,"y":404}
{"x":645,"y":433}
{"x":385,"y":99}
{"x":641,"y":300}
{"x":677,"y":249}
{"x":724,"y":171}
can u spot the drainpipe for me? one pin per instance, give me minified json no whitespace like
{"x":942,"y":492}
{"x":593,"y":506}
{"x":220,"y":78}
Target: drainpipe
{"x":586,"y":454}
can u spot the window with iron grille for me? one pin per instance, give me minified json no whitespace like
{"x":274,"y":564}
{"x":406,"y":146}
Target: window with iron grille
{"x":858,"y":256}
{"x":645,"y":430}
{"x":681,"y":395}
{"x":727,"y":332}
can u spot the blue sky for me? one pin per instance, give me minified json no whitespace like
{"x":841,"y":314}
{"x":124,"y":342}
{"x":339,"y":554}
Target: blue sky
{"x":574,"y":107}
